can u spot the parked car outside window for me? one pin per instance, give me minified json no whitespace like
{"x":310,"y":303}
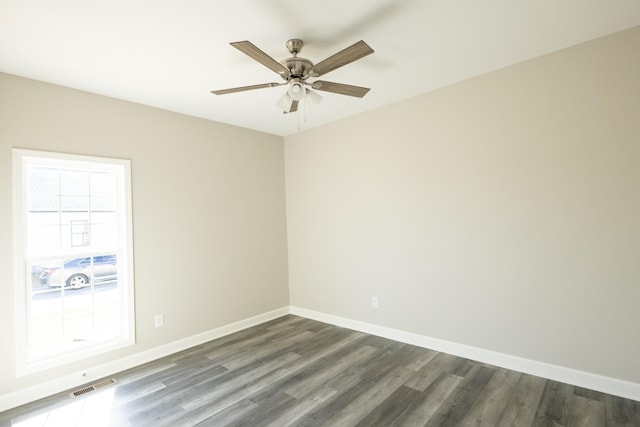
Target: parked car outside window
{"x":77,"y":273}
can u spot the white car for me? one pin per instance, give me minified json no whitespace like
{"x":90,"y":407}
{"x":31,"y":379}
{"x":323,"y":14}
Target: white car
{"x":80,"y":272}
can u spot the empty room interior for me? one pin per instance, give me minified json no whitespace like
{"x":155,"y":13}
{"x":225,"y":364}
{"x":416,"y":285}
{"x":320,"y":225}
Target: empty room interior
{"x":455,"y":226}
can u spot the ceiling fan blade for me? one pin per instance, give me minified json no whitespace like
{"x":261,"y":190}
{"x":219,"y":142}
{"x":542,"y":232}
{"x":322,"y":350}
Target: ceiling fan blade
{"x":243,"y":88}
{"x":294,"y":106}
{"x":352,"y":53}
{"x":254,"y":52}
{"x":340,"y":88}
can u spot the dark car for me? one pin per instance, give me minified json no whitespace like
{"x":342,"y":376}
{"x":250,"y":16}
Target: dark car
{"x":79,"y":272}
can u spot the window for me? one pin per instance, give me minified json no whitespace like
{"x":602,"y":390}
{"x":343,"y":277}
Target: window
{"x":73,"y":257}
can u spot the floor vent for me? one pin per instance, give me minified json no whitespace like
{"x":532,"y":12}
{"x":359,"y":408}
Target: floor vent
{"x":93,"y":387}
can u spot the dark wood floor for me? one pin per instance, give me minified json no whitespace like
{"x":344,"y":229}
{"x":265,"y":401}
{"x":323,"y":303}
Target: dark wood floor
{"x":295,"y":371}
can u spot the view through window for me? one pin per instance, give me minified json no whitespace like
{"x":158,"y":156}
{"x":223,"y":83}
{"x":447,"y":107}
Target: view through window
{"x":74,"y":253}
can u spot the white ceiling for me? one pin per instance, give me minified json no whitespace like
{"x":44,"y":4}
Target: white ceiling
{"x":171,"y":53}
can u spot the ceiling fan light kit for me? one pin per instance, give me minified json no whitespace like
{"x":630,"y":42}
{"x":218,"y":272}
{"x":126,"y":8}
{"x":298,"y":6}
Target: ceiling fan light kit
{"x":296,"y":70}
{"x":313,"y":98}
{"x":297,"y":90}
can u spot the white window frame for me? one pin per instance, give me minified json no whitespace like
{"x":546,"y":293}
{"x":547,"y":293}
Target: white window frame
{"x":126,"y":284}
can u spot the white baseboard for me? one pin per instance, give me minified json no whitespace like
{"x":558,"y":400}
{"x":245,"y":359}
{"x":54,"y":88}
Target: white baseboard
{"x":588,"y":380}
{"x":57,"y":385}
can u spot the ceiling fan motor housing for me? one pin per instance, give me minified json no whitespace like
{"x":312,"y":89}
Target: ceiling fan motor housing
{"x":297,"y":66}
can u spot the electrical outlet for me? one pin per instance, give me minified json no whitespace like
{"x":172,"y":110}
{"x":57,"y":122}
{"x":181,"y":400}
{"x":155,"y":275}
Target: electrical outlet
{"x":375,"y":303}
{"x":159,"y":320}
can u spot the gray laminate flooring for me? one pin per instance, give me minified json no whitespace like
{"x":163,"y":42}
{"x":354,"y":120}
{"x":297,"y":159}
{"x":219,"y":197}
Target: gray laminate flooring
{"x":295,"y":371}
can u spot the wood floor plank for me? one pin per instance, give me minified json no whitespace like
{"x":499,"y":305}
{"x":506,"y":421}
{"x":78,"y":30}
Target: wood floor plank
{"x":345,"y":381}
{"x":148,"y":373}
{"x":262,"y":412}
{"x":234,"y":382}
{"x":299,"y":372}
{"x":585,"y":412}
{"x":287,"y":322}
{"x":326,"y":340}
{"x":193,"y":375}
{"x":198,"y":413}
{"x":411,"y":357}
{"x":621,"y":412}
{"x":463,"y":397}
{"x":371,"y":398}
{"x":379,"y":365}
{"x":490,"y":405}
{"x":265,"y":350}
{"x":554,"y":404}
{"x":302,"y":406}
{"x":392,"y":408}
{"x":441,"y":363}
{"x":232,"y":414}
{"x":425,"y":378}
{"x":122,"y":398}
{"x":523,"y":403}
{"x":317,"y":374}
{"x":433,"y":398}
{"x":423,"y":356}
{"x":320,"y":415}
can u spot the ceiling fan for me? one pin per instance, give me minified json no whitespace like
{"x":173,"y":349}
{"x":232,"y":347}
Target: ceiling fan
{"x":296,"y":71}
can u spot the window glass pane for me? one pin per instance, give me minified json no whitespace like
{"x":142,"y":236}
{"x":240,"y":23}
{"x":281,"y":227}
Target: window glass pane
{"x":104,"y":237}
{"x":103,"y":185}
{"x":43,"y":240}
{"x":43,"y":189}
{"x":79,"y":232}
{"x":74,"y":182}
{"x":74,"y":203}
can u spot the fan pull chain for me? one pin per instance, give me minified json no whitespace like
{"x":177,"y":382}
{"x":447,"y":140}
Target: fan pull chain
{"x":304,"y":117}
{"x":305,"y":111}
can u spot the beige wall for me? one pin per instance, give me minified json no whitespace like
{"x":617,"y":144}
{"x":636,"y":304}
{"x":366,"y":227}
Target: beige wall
{"x":502,"y":212}
{"x":208,"y":211}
